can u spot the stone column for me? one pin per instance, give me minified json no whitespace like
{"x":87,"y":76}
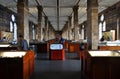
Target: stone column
{"x":22,"y":18}
{"x":76,"y":29}
{"x":67,"y":30}
{"x":118,"y":29}
{"x":46,"y":28}
{"x":69,"y":27}
{"x":118,"y":23}
{"x":48,"y":33}
{"x":52,"y":34}
{"x":92,"y":24}
{"x":39,"y":28}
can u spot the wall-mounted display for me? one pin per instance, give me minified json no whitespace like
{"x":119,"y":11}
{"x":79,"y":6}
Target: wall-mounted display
{"x":107,"y":35}
{"x":7,"y":35}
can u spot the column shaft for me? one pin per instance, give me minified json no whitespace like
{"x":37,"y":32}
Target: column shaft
{"x":39,"y":28}
{"x":92,"y":24}
{"x":22,"y":18}
{"x":76,"y":29}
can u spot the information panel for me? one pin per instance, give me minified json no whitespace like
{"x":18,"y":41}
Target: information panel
{"x":56,"y":46}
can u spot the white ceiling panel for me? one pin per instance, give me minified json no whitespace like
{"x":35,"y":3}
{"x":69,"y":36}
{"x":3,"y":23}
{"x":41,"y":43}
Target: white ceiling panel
{"x":63,"y":18}
{"x":68,"y":2}
{"x":32,"y":3}
{"x":50,"y":11}
{"x":33,"y":11}
{"x":47,"y":3}
{"x":65,"y":12}
{"x":8,"y":3}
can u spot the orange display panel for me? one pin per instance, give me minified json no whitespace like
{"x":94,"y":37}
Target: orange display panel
{"x":57,"y":54}
{"x":109,"y":47}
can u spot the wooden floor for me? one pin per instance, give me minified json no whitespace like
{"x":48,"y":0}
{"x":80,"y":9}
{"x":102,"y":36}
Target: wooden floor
{"x":70,"y":68}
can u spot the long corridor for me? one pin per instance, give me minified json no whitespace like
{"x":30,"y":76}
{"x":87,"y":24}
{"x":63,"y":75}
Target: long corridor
{"x":57,"y":69}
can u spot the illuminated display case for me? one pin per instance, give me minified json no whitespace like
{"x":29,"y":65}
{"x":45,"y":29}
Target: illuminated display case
{"x":12,"y":54}
{"x":101,"y":64}
{"x":56,"y":47}
{"x":109,"y":45}
{"x":56,"y":52}
{"x":6,"y":46}
{"x":16,"y":64}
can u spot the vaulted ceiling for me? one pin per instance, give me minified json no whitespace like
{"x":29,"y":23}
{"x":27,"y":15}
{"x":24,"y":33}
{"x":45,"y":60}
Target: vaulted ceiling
{"x":57,"y":11}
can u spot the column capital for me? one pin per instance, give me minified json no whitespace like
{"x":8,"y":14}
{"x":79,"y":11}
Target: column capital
{"x":40,"y":8}
{"x":45,"y":17}
{"x":66,"y":22}
{"x":23,"y":3}
{"x":92,"y":3}
{"x":49,"y":23}
{"x":75,"y":8}
{"x":69,"y":17}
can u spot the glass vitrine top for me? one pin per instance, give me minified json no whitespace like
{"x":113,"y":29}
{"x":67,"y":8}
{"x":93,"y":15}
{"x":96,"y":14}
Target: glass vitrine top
{"x":4,"y":45}
{"x":12,"y":54}
{"x":56,"y":46}
{"x":104,"y":53}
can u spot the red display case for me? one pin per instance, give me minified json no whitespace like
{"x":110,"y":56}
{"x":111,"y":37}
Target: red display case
{"x":56,"y":52}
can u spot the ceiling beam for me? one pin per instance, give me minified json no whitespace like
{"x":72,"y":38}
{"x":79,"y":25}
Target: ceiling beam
{"x":58,"y":14}
{"x":34,"y":6}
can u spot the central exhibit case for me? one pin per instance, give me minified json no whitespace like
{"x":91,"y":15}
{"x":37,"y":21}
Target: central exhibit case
{"x":57,"y":52}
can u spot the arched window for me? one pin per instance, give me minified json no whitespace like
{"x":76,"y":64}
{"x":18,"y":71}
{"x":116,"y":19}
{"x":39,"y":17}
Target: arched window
{"x":102,"y":18}
{"x":33,"y":32}
{"x":100,"y":30}
{"x":82,"y":31}
{"x":13,"y":18}
{"x":15,"y":32}
{"x":13,"y":28}
{"x":104,"y":26}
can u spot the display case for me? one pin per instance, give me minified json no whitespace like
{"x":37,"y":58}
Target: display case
{"x":42,"y":47}
{"x":56,"y":52}
{"x":16,"y":64}
{"x":101,"y":64}
{"x":73,"y":47}
{"x":6,"y":46}
{"x":109,"y":45}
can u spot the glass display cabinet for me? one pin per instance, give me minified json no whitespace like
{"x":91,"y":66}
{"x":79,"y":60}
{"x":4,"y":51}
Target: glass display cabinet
{"x":7,"y":46}
{"x":109,"y":45}
{"x":101,"y":64}
{"x":16,"y":64}
{"x":4,"y":45}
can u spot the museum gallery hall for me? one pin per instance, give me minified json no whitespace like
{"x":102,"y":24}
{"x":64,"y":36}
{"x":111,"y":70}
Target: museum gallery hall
{"x":63,"y":39}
